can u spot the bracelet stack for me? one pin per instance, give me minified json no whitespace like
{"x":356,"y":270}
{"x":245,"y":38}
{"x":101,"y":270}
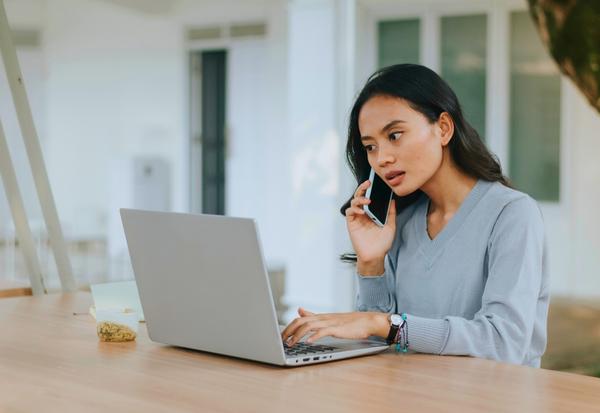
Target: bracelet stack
{"x":401,"y":339}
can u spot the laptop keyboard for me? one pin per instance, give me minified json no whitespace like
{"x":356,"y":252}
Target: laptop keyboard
{"x":302,"y":348}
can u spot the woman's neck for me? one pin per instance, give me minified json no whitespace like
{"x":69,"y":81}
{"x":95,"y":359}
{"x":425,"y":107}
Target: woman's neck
{"x":448,"y":188}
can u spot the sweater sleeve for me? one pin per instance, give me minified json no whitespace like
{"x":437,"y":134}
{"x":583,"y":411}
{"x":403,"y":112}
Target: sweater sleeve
{"x":378,"y":293}
{"x":502,"y":329}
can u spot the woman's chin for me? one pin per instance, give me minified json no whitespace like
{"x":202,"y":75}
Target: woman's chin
{"x":403,"y":189}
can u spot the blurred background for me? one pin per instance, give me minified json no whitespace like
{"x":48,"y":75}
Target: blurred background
{"x":240,"y":107}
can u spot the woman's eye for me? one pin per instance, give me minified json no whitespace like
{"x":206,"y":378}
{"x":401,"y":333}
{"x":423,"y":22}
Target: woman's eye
{"x":368,"y":148}
{"x":395,"y":136}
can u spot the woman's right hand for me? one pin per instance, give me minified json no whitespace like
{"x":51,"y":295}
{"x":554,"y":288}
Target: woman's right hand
{"x":370,"y":241}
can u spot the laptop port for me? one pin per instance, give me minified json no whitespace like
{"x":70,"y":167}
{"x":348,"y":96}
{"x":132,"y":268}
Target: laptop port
{"x":315,"y":358}
{"x":306,"y":359}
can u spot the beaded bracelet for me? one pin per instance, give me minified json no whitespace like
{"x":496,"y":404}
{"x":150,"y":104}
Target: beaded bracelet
{"x":398,"y":338}
{"x":401,"y":338}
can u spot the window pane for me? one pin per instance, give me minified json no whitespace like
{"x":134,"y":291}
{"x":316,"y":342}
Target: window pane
{"x":534,"y":112}
{"x":398,"y":42}
{"x":464,"y":63}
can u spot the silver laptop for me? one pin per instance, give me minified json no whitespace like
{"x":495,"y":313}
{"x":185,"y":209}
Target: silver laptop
{"x":203,"y":285}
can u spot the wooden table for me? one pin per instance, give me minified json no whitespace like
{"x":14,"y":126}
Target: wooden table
{"x":14,"y":288}
{"x":51,"y":361}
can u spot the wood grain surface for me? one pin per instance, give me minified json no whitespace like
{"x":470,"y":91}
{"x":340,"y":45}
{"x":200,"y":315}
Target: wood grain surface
{"x":52,"y":361}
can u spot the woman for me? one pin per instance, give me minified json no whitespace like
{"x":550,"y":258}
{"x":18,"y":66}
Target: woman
{"x":463,"y":262}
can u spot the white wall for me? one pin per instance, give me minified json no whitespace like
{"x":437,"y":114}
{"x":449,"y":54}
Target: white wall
{"x":114,"y":91}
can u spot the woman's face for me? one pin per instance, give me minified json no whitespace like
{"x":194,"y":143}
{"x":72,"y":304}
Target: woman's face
{"x":402,"y":146}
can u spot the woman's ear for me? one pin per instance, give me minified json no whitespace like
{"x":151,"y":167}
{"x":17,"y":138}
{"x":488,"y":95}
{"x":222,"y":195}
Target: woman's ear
{"x":446,"y":125}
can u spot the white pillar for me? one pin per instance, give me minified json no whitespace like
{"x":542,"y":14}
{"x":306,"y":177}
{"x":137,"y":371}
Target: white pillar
{"x":347,"y":89}
{"x":318,"y":81}
{"x":498,"y":79}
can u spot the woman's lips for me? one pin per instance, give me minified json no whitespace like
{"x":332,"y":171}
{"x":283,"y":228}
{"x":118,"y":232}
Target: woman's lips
{"x":397,"y":180}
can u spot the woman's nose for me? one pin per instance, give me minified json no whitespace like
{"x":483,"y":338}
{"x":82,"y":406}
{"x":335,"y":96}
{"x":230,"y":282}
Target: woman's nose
{"x":384,"y":158}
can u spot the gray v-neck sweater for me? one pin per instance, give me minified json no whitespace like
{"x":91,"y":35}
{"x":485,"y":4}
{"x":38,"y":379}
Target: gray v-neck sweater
{"x":479,"y":288}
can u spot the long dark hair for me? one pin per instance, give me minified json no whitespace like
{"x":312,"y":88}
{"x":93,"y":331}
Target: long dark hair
{"x":429,"y":94}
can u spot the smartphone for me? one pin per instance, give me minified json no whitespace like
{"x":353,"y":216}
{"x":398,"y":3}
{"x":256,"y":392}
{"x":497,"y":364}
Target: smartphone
{"x":380,"y":195}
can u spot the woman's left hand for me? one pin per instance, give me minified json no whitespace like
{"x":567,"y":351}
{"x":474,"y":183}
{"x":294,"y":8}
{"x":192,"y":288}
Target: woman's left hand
{"x":356,"y":325}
